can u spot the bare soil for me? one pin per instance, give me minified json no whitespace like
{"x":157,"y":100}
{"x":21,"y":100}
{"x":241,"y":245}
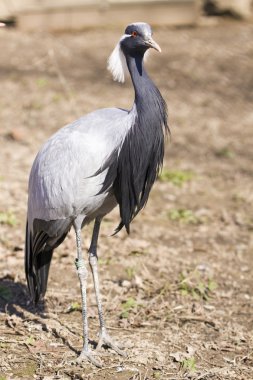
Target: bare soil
{"x":177,"y":292}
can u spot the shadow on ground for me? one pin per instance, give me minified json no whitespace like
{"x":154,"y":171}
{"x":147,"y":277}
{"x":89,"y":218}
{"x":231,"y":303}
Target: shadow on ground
{"x":14,"y":297}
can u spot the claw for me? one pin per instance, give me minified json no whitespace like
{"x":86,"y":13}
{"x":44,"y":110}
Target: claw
{"x":106,"y":340}
{"x":87,"y":355}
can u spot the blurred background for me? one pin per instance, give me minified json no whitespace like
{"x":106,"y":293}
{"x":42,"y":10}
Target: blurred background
{"x":178,"y":291}
{"x":80,"y":14}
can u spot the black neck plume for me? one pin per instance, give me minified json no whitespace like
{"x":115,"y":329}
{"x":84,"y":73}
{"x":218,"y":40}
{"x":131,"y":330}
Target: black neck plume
{"x":141,"y":155}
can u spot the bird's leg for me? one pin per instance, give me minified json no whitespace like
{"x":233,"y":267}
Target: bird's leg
{"x":82,"y":274}
{"x":104,"y":337}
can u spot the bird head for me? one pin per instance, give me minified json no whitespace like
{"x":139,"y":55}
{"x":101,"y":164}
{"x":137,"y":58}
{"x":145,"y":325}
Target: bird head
{"x":136,"y":40}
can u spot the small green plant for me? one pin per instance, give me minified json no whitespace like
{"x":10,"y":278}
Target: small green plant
{"x":130,"y":273}
{"x":75,"y":306}
{"x":42,"y":82}
{"x":183,"y":215}
{"x":157,"y":374}
{"x":8,"y":218}
{"x":176,"y":177}
{"x":197,"y":287}
{"x":30,"y":341}
{"x":3,"y":377}
{"x":106,"y":261}
{"x":212,"y":285}
{"x":189,"y":364}
{"x":127,"y":306}
{"x":5,"y":293}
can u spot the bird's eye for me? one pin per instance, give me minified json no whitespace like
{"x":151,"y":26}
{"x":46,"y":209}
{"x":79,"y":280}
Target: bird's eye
{"x":134,"y":34}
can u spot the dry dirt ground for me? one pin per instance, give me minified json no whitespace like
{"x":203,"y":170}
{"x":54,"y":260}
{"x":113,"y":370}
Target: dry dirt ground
{"x":177,"y":292}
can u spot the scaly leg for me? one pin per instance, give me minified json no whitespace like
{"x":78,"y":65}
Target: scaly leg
{"x":82,"y":274}
{"x":104,"y":337}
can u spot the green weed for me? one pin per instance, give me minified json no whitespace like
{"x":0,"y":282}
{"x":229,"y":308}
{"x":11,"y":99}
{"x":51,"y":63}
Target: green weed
{"x":127,"y":306}
{"x":183,"y":215}
{"x":42,"y":82}
{"x":30,"y":341}
{"x":105,"y":261}
{"x":75,"y":306}
{"x":212,"y":285}
{"x":130,"y":273}
{"x":176,"y":177}
{"x":196,"y":287}
{"x":8,"y":218}
{"x":189,"y":364}
{"x":157,"y":374}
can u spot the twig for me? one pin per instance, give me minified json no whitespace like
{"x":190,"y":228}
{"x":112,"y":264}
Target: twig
{"x":11,"y":341}
{"x":105,"y":368}
{"x":126,"y":329}
{"x":197,"y":319}
{"x":203,"y":375}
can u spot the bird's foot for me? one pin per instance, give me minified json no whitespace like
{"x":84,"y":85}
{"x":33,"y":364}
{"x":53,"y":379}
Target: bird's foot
{"x":87,"y":355}
{"x":106,"y":340}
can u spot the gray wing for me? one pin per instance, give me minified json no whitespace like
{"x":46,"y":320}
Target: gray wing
{"x":62,"y":180}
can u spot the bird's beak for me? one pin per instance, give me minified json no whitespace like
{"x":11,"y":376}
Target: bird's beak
{"x":2,"y":24}
{"x":151,"y":43}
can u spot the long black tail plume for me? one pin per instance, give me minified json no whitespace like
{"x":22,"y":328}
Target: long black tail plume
{"x":38,"y":255}
{"x":37,"y":266}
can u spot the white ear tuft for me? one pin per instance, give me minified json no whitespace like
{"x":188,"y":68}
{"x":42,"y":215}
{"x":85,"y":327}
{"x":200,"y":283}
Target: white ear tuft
{"x":117,"y":64}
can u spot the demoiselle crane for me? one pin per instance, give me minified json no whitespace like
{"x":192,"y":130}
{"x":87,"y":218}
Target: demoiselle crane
{"x":109,"y":157}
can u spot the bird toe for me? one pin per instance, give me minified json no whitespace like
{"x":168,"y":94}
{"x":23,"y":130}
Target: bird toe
{"x":87,"y":355}
{"x":106,"y":340}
